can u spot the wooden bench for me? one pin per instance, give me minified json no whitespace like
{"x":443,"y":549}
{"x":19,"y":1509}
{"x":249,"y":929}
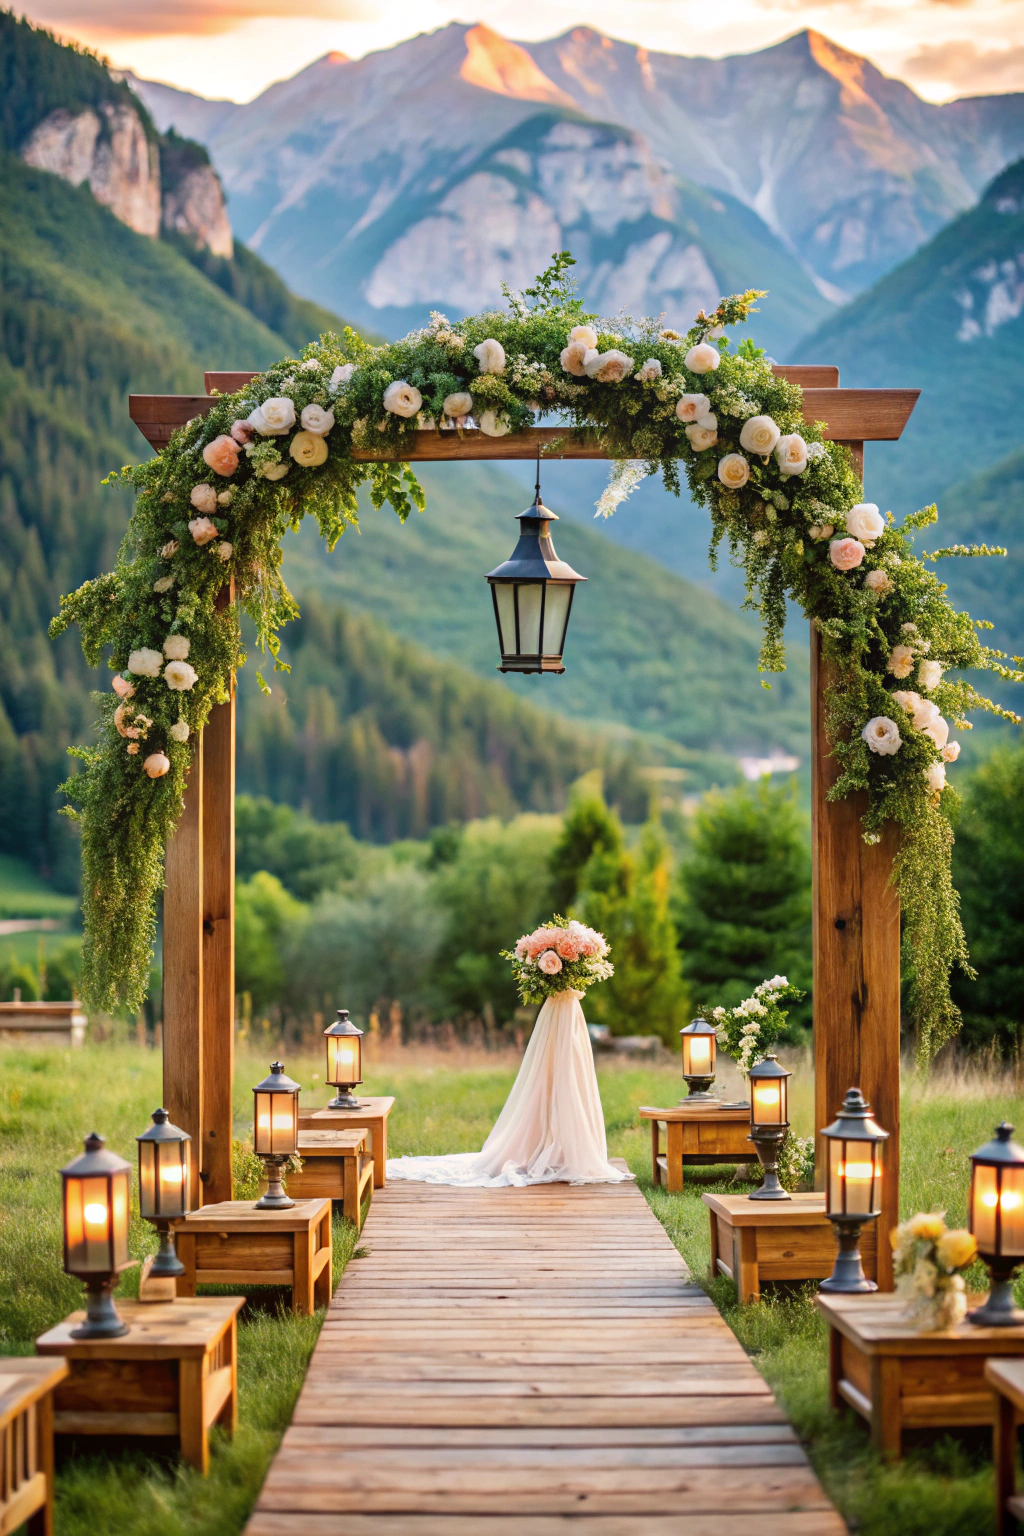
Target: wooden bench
{"x":232,"y":1243}
{"x":60,"y":1023}
{"x":174,"y":1373}
{"x":696,"y":1134}
{"x":336,"y":1165}
{"x":757,"y":1240}
{"x":26,"y":1443}
{"x":372,"y":1116}
{"x":1006,"y":1379}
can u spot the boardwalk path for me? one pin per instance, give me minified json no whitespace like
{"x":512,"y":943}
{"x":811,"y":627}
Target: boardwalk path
{"x":504,"y":1359}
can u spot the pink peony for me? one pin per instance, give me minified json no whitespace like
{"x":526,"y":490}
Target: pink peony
{"x":222,"y":455}
{"x":549,"y":963}
{"x":242,"y":432}
{"x":846,"y":554}
{"x":570,"y":946}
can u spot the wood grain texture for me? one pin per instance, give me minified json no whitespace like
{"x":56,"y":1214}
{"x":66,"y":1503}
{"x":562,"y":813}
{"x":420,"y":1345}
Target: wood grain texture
{"x":509,"y":1375}
{"x":218,"y":1037}
{"x":183,"y":1043}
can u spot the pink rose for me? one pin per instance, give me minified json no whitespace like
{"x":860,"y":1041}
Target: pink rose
{"x":523,"y":947}
{"x":846,"y":554}
{"x":202,"y":530}
{"x":569,"y":946}
{"x":242,"y":432}
{"x":549,"y":963}
{"x":222,"y":455}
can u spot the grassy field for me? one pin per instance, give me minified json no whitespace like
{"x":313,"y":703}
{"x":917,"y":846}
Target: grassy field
{"x":49,"y":1099}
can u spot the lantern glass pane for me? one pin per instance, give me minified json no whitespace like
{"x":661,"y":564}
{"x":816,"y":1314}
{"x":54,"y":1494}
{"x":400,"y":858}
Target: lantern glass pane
{"x":835,"y":1183}
{"x":1011,"y":1207}
{"x":87,"y":1220}
{"x":343,"y":1067}
{"x":997,"y":1210}
{"x":854,"y":1177}
{"x":262,"y":1137}
{"x":148,"y":1201}
{"x":556,"y":611}
{"x":506,"y":617}
{"x":698,"y":1055}
{"x":768,"y":1101}
{"x":120,"y":1188}
{"x":172,"y":1186}
{"x":529,"y":596}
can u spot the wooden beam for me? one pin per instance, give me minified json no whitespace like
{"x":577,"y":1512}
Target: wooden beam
{"x":807,"y":375}
{"x":183,"y":1064}
{"x":218,"y":1036}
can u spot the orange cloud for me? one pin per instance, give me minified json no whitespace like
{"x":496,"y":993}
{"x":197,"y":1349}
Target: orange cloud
{"x":966,"y":68}
{"x":109,"y":19}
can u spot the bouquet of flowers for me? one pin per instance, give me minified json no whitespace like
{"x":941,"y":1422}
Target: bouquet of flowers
{"x":559,"y":955}
{"x":929,"y":1258}
{"x":749,"y":1030}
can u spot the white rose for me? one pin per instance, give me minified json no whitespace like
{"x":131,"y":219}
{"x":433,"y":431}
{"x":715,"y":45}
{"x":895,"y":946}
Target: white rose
{"x":759,"y":434}
{"x":608,"y":367}
{"x":866,"y":523}
{"x":926,"y":714}
{"x":703,"y":358}
{"x":573,"y":357}
{"x":402,"y":399}
{"x":733,"y":471}
{"x":701,"y":437}
{"x":163,"y":584}
{"x":882,"y":735}
{"x":180,"y":676}
{"x":951,"y":751}
{"x":316,"y":420}
{"x":791,"y":454}
{"x":278,"y":416}
{"x":145,"y":662}
{"x":177,"y":647}
{"x":877,"y":581}
{"x":651,"y":369}
{"x":690,"y":407}
{"x":901,"y":661}
{"x":929,"y":675}
{"x":490,"y":354}
{"x":459,"y":405}
{"x":225,"y":550}
{"x":272,"y":471}
{"x":203,"y":498}
{"x":341,"y":375}
{"x":308,"y":449}
{"x":493,"y":425}
{"x":202,"y":530}
{"x":908,"y":700}
{"x":179,"y":730}
{"x":585,"y":334}
{"x":935,"y":774}
{"x":937,"y":730}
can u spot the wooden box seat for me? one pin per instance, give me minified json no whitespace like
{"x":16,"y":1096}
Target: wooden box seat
{"x":371,"y":1116}
{"x":26,"y":1443}
{"x":337,"y":1165}
{"x":757,"y":1240}
{"x":697,"y":1134}
{"x":232,"y":1243}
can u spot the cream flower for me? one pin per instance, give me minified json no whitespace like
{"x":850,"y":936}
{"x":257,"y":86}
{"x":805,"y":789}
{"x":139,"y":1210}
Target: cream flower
{"x":494,"y":425}
{"x":490,"y":355}
{"x":573,"y":357}
{"x":733,"y":471}
{"x":901,"y":661}
{"x":222,"y":455}
{"x":122,"y":687}
{"x":791,"y":454}
{"x":203,"y":498}
{"x":458,"y":406}
{"x":937,"y":730}
{"x":224,"y":497}
{"x":608,"y":367}
{"x":157,"y":764}
{"x":170,"y":549}
{"x":907,"y":699}
{"x":585,"y":334}
{"x":701,"y":437}
{"x":202,"y":530}
{"x":316,"y":420}
{"x":866,"y":523}
{"x":341,"y":375}
{"x":878,"y":581}
{"x":951,"y":751}
{"x":759,"y":434}
{"x":846,"y":554}
{"x":402,"y":399}
{"x":177,"y":647}
{"x":308,"y":449}
{"x":692,"y":407}
{"x":703,"y":358}
{"x":929,"y":675}
{"x":821,"y":531}
{"x":225,"y":550}
{"x":132,"y":748}
{"x":145,"y":662}
{"x":882,"y":735}
{"x":180,"y":676}
{"x":274,"y":471}
{"x":163,"y":584}
{"x":935,"y":774}
{"x":651,"y":369}
{"x":277,"y":416}
{"x":179,"y":731}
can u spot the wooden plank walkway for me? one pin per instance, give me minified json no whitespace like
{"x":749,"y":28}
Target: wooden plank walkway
{"x":526,"y":1362}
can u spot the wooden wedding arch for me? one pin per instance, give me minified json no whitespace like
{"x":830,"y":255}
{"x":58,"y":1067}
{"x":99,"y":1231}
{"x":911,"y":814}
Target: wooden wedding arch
{"x":856,"y":923}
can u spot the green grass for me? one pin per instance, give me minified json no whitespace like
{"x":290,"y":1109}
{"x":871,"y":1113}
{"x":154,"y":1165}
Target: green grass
{"x":23,"y":893}
{"x":50,"y":1098}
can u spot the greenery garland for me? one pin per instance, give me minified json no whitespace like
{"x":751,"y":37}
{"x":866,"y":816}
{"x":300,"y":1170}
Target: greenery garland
{"x":215,"y":504}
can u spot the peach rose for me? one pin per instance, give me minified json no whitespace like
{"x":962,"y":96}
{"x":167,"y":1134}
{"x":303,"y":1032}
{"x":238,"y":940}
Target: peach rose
{"x":122,"y":687}
{"x":221,"y":455}
{"x":549,"y":963}
{"x":846,"y":554}
{"x":202,"y":530}
{"x":157,"y":764}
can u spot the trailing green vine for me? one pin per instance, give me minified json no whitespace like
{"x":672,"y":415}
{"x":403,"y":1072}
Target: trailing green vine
{"x":214,"y":506}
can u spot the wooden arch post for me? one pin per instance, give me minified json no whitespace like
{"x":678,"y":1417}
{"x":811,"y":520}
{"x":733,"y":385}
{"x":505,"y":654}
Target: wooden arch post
{"x":856,"y":914}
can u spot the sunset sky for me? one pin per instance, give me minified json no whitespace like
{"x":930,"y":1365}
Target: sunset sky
{"x":235,"y":48}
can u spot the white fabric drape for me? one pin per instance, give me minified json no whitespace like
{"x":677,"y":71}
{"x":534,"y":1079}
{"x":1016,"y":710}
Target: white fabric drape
{"x":551,"y":1129}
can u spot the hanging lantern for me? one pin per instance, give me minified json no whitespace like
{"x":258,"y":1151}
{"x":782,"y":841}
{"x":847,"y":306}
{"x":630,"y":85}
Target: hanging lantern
{"x":769,"y":1122}
{"x":996,"y":1217}
{"x":276,"y":1133}
{"x":700,"y":1048}
{"x":532,"y":593}
{"x":344,"y":1060}
{"x":95,"y":1189}
{"x":164,"y":1157}
{"x":855,"y":1143}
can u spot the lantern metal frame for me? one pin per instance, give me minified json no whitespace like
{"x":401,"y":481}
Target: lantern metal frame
{"x":343,"y":1028}
{"x":855,"y":1127}
{"x":97,"y":1164}
{"x":768,"y":1138}
{"x":698,"y":1084}
{"x":533,"y":563}
{"x":1001,"y":1154}
{"x":277,"y":1085}
{"x":164,"y":1144}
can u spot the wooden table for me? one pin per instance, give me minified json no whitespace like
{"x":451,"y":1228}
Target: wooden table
{"x":234,"y":1244}
{"x":336,"y":1164}
{"x":899,"y":1379}
{"x":695,"y":1134}
{"x":372,"y":1115}
{"x":174,"y":1373}
{"x":26,"y":1443}
{"x":1006,"y":1379}
{"x":757,"y":1240}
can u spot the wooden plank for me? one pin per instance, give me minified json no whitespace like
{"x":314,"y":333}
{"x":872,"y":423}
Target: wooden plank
{"x":183,"y":1035}
{"x":218,"y":873}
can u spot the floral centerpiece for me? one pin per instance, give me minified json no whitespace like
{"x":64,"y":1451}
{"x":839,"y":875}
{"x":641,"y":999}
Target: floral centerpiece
{"x":559,"y":956}
{"x":929,"y":1261}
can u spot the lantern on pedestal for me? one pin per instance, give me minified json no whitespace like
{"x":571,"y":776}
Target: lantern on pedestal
{"x":344,"y":1060}
{"x":855,"y":1143}
{"x":164,"y":1157}
{"x":769,"y":1122}
{"x":95,"y":1192}
{"x":275,"y":1133}
{"x":700,"y":1048}
{"x":996,"y":1217}
{"x":532,"y":593}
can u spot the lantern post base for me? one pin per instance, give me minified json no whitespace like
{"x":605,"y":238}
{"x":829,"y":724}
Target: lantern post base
{"x":848,"y":1277}
{"x":276,"y":1198}
{"x":101,"y":1316}
{"x":343,"y":1099}
{"x":698,"y":1091}
{"x":1000,"y":1310}
{"x":767,"y":1144}
{"x":166,"y":1264}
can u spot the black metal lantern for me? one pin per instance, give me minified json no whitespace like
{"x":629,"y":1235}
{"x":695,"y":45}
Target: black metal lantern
{"x":700,"y":1048}
{"x":95,"y":1191}
{"x":855,"y":1143}
{"x":164,"y":1158}
{"x":532,"y":593}
{"x":344,"y":1060}
{"x":996,"y":1218}
{"x":276,"y":1132}
{"x":769,"y":1122}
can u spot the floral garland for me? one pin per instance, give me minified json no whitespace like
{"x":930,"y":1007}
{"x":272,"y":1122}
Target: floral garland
{"x":213,"y":507}
{"x":558,"y":956}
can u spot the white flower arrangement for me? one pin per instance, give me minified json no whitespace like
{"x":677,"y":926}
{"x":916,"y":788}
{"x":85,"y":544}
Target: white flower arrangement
{"x":748,"y":1031}
{"x":929,"y":1260}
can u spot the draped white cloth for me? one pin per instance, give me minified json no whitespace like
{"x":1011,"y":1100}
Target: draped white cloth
{"x":551,"y":1129}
